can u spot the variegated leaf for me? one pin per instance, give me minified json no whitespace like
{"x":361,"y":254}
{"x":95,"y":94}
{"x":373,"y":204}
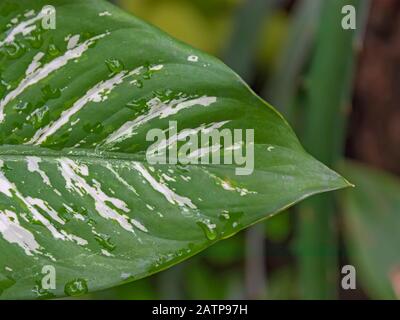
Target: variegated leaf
{"x":76,"y":192}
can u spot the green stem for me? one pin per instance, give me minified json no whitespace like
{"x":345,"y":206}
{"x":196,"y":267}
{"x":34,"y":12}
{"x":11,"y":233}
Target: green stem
{"x":328,"y":86}
{"x":255,"y":268}
{"x":282,"y":88}
{"x":243,"y":43}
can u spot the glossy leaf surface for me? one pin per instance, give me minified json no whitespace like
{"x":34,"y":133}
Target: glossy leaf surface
{"x":76,"y":191}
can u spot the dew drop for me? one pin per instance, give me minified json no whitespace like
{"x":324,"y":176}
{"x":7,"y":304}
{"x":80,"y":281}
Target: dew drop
{"x":15,"y":50}
{"x":137,"y":105}
{"x":224,"y":216}
{"x":114,"y":65}
{"x":193,"y":58}
{"x":208,"y":228}
{"x":83,"y":211}
{"x":98,"y":128}
{"x":231,"y":222}
{"x":105,"y":242}
{"x":137,"y":83}
{"x":51,"y":93}
{"x":40,"y":117}
{"x":165,"y":95}
{"x":42,"y":293}
{"x":24,"y":107}
{"x":76,"y":287}
{"x":53,"y":51}
{"x":93,"y":128}
{"x":64,"y":214}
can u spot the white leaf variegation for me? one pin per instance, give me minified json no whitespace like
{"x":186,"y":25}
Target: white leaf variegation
{"x":77,"y":191}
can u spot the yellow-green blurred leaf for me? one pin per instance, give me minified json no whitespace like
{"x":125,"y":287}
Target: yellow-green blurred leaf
{"x":372,"y":216}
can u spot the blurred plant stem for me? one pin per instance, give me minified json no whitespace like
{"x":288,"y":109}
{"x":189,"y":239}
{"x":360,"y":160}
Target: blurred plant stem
{"x":328,"y":88}
{"x":170,"y":283}
{"x":241,"y":48}
{"x":256,"y":271}
{"x":282,"y":87}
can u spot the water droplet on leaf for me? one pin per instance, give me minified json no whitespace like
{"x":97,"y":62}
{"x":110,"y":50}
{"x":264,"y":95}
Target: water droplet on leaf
{"x":40,"y":117}
{"x":231,"y":223}
{"x":208,"y":228}
{"x":114,"y":65}
{"x":50,"y":93}
{"x":24,"y":107}
{"x":105,"y":242}
{"x":53,"y":51}
{"x":42,"y":293}
{"x":15,"y":50}
{"x":76,"y":287}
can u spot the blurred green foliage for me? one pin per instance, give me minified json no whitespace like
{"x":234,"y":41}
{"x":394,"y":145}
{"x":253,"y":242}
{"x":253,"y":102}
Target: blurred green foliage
{"x":372,"y":220}
{"x":204,"y":24}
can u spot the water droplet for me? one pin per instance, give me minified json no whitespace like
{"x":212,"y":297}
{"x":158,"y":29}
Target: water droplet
{"x":53,"y":51}
{"x":147,"y":75}
{"x":97,"y":128}
{"x":24,"y":107}
{"x":92,"y":222}
{"x":231,"y":222}
{"x":93,"y":128}
{"x":208,"y":228}
{"x":166,"y":95}
{"x":105,"y":242}
{"x":137,"y":83}
{"x":137,"y":105}
{"x":15,"y":50}
{"x":224,"y":216}
{"x":50,"y":93}
{"x":13,"y":84}
{"x":114,"y":65}
{"x":76,"y":287}
{"x":193,"y":58}
{"x":82,"y":211}
{"x":42,"y":293}
{"x":40,"y":117}
{"x":64,"y":214}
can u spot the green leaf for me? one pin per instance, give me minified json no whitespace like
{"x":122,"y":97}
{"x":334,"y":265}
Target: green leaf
{"x":76,"y":192}
{"x":372,"y":216}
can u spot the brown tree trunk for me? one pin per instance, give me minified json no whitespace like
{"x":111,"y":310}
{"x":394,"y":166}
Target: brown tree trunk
{"x":374,"y":135}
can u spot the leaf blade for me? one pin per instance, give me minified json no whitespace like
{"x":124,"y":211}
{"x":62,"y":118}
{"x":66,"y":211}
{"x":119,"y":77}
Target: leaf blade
{"x":76,"y":190}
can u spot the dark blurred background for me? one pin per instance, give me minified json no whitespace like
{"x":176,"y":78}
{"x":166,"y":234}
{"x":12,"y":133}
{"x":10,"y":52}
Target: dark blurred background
{"x":285,"y":49}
